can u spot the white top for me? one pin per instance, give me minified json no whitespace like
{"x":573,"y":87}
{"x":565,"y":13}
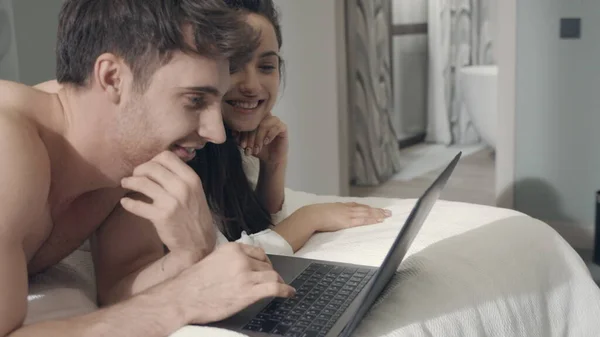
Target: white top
{"x":268,"y":240}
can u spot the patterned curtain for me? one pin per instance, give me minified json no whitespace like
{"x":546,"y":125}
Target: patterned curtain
{"x":375,"y":152}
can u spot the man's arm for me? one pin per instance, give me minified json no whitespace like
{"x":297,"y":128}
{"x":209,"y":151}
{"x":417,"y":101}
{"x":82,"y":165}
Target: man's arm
{"x":25,"y":181}
{"x":128,"y":249}
{"x":129,"y":257}
{"x":220,"y":285}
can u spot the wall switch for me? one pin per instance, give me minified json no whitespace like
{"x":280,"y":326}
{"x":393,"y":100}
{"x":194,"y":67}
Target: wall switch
{"x":570,"y":28}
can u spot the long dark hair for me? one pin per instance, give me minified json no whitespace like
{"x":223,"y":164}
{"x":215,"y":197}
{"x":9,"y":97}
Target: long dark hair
{"x":220,"y":166}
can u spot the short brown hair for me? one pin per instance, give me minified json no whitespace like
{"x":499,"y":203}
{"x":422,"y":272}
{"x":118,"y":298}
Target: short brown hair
{"x":145,"y":32}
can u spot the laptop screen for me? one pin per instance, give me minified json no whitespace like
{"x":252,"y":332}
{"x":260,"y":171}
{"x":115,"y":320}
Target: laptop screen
{"x":400,"y":247}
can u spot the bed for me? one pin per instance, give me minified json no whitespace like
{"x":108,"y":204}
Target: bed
{"x":472,"y":271}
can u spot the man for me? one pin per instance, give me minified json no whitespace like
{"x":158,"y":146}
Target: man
{"x":141,"y":83}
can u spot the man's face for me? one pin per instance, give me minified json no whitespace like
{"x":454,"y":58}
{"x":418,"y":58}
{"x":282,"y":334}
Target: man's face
{"x":180,"y":110}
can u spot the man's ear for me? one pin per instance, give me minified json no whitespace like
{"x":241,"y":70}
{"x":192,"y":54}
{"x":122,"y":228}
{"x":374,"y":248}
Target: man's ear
{"x":109,"y":73}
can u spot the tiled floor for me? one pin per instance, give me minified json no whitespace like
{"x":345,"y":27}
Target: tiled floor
{"x":473,"y":181}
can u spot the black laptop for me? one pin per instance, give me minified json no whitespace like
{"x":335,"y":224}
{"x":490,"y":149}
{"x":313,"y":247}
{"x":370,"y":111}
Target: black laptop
{"x":332,"y":298}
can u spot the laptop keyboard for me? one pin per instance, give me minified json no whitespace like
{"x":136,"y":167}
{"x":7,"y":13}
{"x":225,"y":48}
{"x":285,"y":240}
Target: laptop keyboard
{"x":323,"y":293}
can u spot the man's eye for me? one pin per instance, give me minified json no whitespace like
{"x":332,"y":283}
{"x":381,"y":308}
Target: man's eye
{"x":197,"y":101}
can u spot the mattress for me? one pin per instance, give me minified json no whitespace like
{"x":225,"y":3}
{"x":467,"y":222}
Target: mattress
{"x":472,"y":270}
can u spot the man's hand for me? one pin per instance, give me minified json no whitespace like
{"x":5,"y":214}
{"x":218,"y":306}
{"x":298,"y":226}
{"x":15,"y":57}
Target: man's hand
{"x":177,"y":207}
{"x":230,"y":279}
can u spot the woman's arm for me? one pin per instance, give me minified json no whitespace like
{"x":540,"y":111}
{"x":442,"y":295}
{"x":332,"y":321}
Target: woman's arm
{"x":328,"y":217}
{"x":271,"y":184}
{"x":268,"y":143}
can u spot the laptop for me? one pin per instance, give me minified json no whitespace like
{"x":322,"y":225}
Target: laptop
{"x":332,"y":298}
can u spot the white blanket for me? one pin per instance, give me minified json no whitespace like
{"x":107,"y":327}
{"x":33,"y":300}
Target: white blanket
{"x":472,"y":271}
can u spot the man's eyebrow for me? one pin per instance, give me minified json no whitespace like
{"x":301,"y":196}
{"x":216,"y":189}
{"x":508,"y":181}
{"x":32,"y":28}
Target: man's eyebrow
{"x":269,"y":53}
{"x":210,"y":90}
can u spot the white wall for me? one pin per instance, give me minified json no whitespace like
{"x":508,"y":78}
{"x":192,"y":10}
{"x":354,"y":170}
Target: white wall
{"x":506,"y":59}
{"x":557,"y":116}
{"x":313,"y":103}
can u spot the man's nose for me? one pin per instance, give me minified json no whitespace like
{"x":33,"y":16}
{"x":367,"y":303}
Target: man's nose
{"x":211,"y":127}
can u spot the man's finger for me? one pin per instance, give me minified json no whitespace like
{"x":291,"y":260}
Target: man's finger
{"x":267,"y":276}
{"x":175,"y":185}
{"x":255,"y":252}
{"x":139,"y":208}
{"x":143,"y":185}
{"x":272,"y":289}
{"x":157,"y":172}
{"x":170,"y":161}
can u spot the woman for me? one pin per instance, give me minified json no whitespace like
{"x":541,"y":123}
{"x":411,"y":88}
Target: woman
{"x":246,"y":190}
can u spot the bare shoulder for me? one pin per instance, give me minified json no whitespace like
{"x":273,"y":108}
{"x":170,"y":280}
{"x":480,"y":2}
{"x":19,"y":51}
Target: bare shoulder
{"x":51,"y":86}
{"x":24,"y":171}
{"x":18,"y":98}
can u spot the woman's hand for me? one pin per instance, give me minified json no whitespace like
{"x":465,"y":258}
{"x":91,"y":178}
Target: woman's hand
{"x":269,"y":142}
{"x":330,"y":217}
{"x":174,"y":202}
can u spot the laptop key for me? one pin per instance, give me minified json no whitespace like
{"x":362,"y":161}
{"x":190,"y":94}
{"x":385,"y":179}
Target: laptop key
{"x":308,"y":317}
{"x":328,"y":311}
{"x":298,"y":328}
{"x":312,"y":312}
{"x":303,"y":306}
{"x":268,"y":325}
{"x":281,"y":329}
{"x":293,"y":317}
{"x":277,"y":318}
{"x":310,"y":333}
{"x":252,"y":327}
{"x":317,"y":307}
{"x":320,"y":322}
{"x":303,"y":323}
{"x":293,"y":334}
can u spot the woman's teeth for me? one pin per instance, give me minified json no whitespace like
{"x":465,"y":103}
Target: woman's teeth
{"x":245,"y":105}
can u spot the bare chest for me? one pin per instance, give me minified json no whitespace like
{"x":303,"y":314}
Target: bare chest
{"x":65,"y":231}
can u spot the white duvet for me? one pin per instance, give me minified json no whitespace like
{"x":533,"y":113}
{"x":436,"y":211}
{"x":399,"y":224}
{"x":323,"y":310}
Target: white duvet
{"x":472,"y":271}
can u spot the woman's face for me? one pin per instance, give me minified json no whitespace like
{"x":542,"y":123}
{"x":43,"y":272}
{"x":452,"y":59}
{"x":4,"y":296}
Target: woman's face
{"x":254,"y":87}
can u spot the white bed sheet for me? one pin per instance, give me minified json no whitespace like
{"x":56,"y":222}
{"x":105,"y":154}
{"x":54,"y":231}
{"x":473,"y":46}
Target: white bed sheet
{"x":472,"y":271}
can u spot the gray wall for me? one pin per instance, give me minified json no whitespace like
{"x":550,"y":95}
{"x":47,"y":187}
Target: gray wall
{"x":35,"y":26}
{"x":557,"y":159}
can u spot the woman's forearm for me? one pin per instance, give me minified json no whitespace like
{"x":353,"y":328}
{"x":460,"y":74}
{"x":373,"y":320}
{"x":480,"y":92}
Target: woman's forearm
{"x":297,"y":228}
{"x":270,"y":186}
